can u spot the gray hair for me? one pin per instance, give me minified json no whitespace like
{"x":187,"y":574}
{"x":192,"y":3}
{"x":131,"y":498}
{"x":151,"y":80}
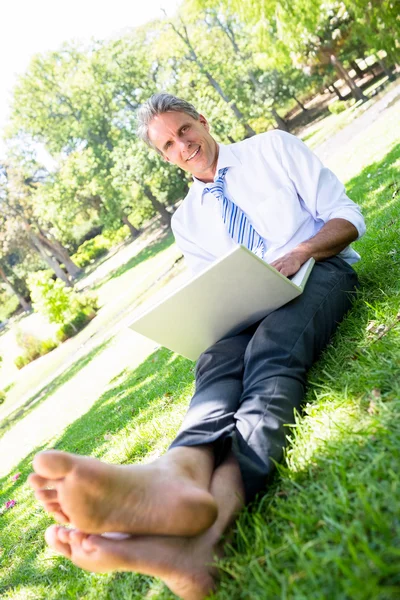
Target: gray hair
{"x":159,"y":104}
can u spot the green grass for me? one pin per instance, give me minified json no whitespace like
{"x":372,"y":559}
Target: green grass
{"x":123,"y":290}
{"x":328,"y":527}
{"x":44,"y":393}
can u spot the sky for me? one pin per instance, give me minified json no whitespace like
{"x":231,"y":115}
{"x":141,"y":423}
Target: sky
{"x":28,"y":27}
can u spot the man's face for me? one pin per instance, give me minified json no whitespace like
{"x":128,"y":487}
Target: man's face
{"x":185,"y":142}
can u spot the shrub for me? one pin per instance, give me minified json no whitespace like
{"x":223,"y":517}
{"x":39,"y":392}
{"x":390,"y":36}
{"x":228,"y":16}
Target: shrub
{"x":61,"y":304}
{"x":78,"y":322}
{"x":339,"y":106}
{"x":33,"y":348}
{"x":90,"y":250}
{"x":98,"y":246}
{"x":112,"y":237}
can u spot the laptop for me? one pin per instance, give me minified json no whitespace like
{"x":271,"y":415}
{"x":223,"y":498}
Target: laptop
{"x":234,"y":292}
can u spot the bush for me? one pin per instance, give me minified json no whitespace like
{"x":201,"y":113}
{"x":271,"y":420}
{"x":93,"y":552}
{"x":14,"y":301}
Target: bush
{"x":112,"y":237}
{"x":90,"y":250}
{"x":98,"y":246}
{"x":339,"y":106}
{"x":58,"y":303}
{"x":33,"y":348}
{"x":73,"y":327}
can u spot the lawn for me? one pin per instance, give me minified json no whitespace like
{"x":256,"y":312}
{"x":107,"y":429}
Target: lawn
{"x":328,"y":527}
{"x":120,"y":290}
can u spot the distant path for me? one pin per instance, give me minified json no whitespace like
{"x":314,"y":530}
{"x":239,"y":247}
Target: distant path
{"x":339,"y":141}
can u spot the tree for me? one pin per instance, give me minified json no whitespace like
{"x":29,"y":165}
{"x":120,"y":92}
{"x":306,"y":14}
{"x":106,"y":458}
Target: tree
{"x":16,"y":203}
{"x":182,"y":32}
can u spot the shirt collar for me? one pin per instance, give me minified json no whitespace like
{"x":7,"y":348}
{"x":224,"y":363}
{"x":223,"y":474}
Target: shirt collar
{"x":226,"y":158}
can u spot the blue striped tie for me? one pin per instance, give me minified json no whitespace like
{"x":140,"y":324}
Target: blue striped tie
{"x":239,"y":227}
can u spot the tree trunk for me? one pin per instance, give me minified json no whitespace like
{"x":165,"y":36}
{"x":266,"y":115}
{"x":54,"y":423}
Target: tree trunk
{"x":25,"y":305}
{"x":356,"y":68}
{"x":49,"y":260}
{"x":193,"y":57}
{"x":384,"y":68}
{"x":60,"y":253}
{"x":337,"y":92}
{"x":299,"y":103}
{"x":132,"y":230}
{"x":158,"y":206}
{"x":355,"y":91}
{"x":238,"y":114}
{"x":280,"y":122}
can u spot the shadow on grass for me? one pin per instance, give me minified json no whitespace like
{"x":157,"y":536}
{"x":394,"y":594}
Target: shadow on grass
{"x":377,"y":191}
{"x":163,"y":241}
{"x":135,"y":399}
{"x":42,"y":395}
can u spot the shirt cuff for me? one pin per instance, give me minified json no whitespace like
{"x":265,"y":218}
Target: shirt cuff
{"x":353,"y":217}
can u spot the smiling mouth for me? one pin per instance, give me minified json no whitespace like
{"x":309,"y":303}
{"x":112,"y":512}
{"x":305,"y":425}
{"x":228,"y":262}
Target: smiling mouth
{"x":195,"y":153}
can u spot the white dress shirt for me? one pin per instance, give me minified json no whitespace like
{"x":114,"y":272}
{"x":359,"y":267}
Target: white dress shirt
{"x":285,"y":191}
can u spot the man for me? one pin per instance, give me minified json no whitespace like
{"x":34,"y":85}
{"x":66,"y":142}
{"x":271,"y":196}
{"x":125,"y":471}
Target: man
{"x":273,"y":195}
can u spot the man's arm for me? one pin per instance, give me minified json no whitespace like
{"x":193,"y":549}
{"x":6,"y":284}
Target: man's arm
{"x":331,"y":239}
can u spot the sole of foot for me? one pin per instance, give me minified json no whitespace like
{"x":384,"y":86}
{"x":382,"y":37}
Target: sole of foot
{"x":182,"y":563}
{"x":140,"y":499}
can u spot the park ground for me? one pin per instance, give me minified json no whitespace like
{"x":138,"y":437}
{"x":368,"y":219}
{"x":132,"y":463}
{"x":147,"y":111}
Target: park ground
{"x":328,"y":527}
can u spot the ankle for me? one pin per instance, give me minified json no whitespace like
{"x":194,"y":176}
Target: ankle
{"x":194,"y":464}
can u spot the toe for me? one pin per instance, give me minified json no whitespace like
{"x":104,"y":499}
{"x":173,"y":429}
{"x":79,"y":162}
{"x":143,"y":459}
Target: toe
{"x":77,"y":537}
{"x":108,"y":555}
{"x":55,"y":509}
{"x":64,"y":534}
{"x":53,"y":464}
{"x":53,"y":540}
{"x":37,"y":482}
{"x":46,"y":495}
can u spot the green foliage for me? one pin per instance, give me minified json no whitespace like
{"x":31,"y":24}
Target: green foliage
{"x":337,"y":107}
{"x":98,"y":246}
{"x":89,"y":251}
{"x":33,"y":348}
{"x":2,"y":396}
{"x":8,"y":305}
{"x":51,"y":297}
{"x":75,"y":325}
{"x":112,"y":237}
{"x":61,"y":304}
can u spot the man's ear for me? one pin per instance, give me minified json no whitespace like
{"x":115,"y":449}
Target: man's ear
{"x":204,"y":122}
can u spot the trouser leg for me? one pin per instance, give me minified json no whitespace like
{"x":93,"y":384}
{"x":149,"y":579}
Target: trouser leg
{"x":219,"y":386}
{"x":277,"y":358}
{"x":248,"y":386}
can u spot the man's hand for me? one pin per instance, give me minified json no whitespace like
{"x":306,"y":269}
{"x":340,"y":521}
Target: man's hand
{"x":289,"y":263}
{"x":331,"y":239}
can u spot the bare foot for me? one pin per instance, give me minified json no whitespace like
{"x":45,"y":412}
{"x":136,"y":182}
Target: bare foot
{"x":184,"y":564}
{"x":142,"y":499}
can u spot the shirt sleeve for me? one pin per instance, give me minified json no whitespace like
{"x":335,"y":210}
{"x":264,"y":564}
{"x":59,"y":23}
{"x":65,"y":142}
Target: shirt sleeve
{"x":196,"y":257}
{"x":320,"y":190}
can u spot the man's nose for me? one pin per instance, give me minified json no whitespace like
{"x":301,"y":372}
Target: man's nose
{"x":184,"y":144}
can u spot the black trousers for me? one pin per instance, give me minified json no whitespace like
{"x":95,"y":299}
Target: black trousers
{"x":249,"y":385}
